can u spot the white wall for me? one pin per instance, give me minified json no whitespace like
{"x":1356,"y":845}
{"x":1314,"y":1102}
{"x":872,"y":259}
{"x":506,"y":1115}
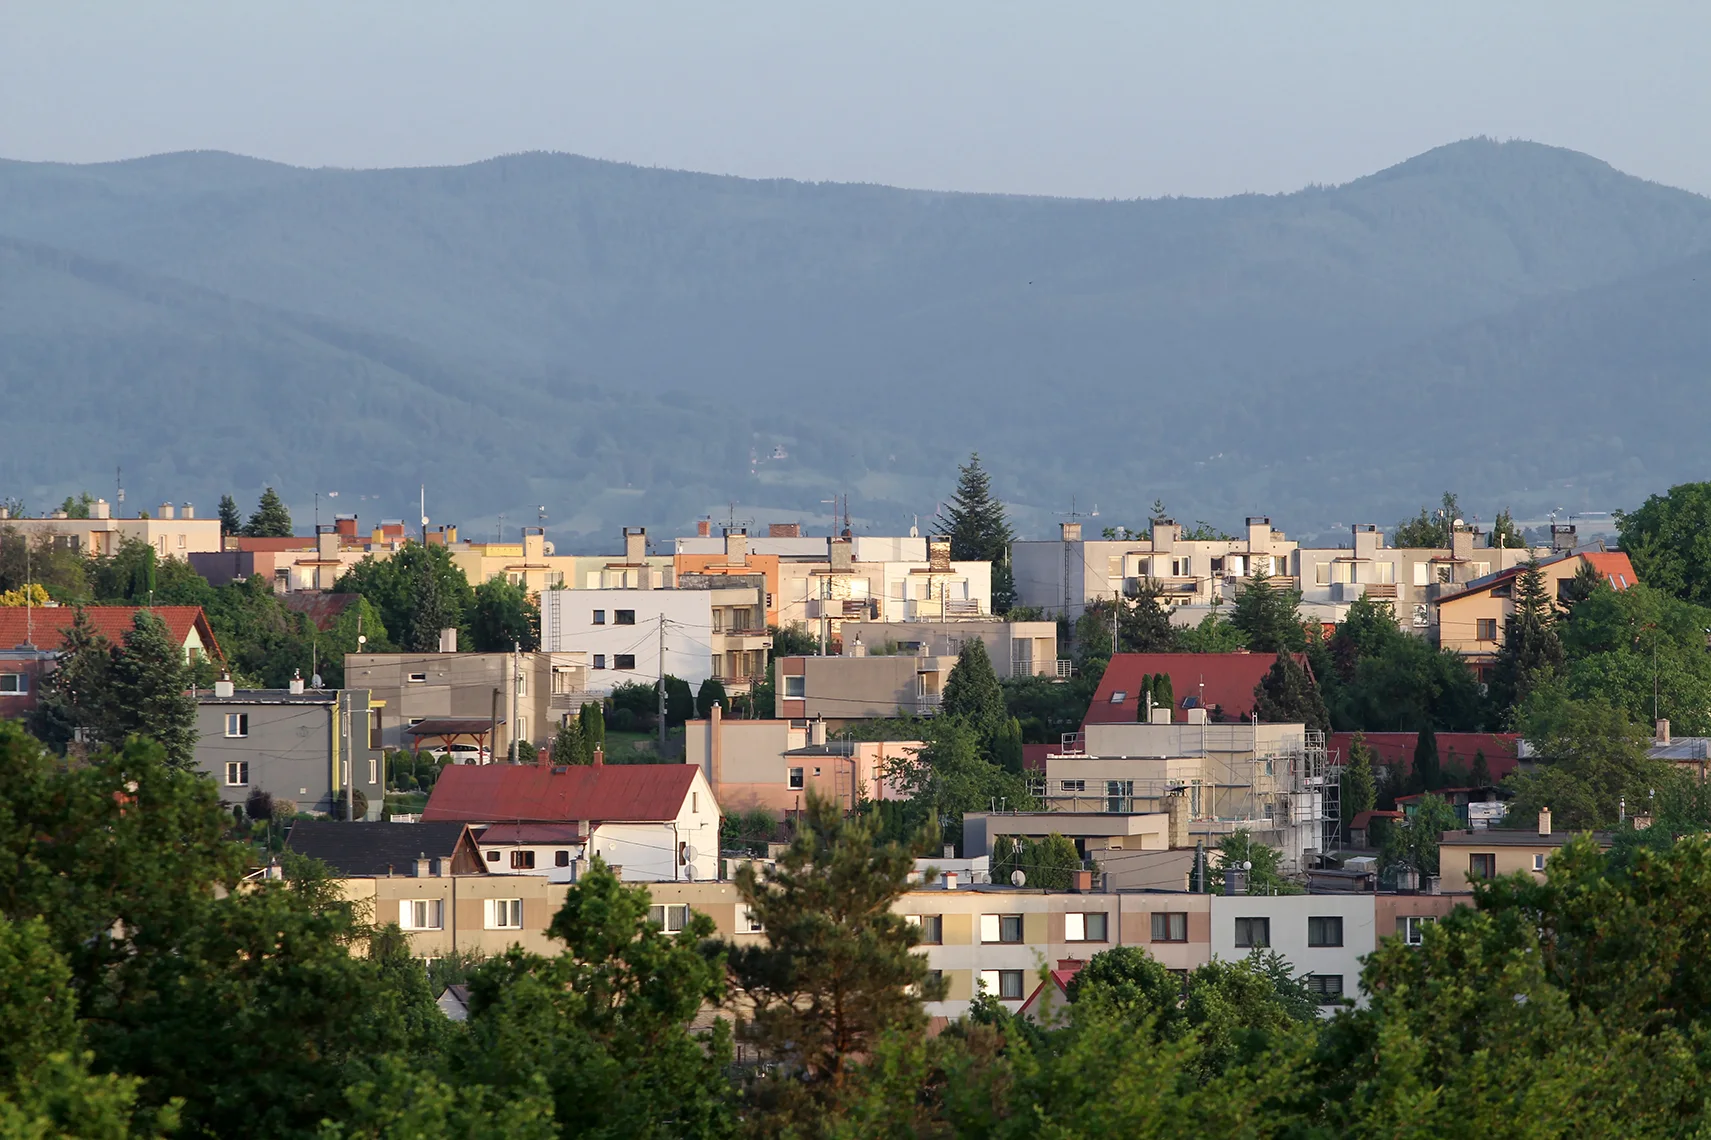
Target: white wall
{"x":1289,"y":915}
{"x":648,"y":851}
{"x":567,"y":626}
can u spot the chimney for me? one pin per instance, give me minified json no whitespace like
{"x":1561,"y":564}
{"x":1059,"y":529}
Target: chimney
{"x":448,"y":640}
{"x":716,"y":747}
{"x":1367,"y":540}
{"x":817,"y":732}
{"x":939,"y":552}
{"x":950,"y":851}
{"x":784,"y":530}
{"x":1165,"y":534}
{"x":843,"y":555}
{"x":166,"y":511}
{"x":1544,"y":821}
{"x":1663,"y":731}
{"x":1461,"y":541}
{"x":422,"y":865}
{"x":1563,"y":537}
{"x":101,"y":510}
{"x":1081,"y":882}
{"x":1069,"y":532}
{"x":703,"y":528}
{"x":599,"y":757}
{"x":297,"y":682}
{"x":949,"y":879}
{"x":1235,"y":880}
{"x":736,"y":546}
{"x":326,"y":544}
{"x":223,"y":687}
{"x":635,"y":545}
{"x":1259,"y":534}
{"x":345,"y":525}
{"x":187,"y":511}
{"x":1176,"y":810}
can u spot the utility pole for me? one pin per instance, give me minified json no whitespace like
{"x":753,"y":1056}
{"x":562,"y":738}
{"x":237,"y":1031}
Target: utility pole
{"x":662,"y":685}
{"x":350,"y":760}
{"x":511,"y":707}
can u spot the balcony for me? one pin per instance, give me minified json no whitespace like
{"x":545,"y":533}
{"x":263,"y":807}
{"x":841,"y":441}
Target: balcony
{"x":843,"y":609}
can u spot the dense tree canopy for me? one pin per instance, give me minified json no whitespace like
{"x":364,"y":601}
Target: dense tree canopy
{"x":1668,"y":539}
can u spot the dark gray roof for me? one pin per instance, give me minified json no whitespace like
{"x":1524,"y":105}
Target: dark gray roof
{"x":373,"y":848}
{"x":1496,"y":837}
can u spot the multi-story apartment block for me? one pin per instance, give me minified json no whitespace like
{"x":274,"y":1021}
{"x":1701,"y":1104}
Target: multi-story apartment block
{"x":708,"y":626}
{"x":299,"y":744}
{"x":174,"y":532}
{"x":489,"y":698}
{"x":775,"y":764}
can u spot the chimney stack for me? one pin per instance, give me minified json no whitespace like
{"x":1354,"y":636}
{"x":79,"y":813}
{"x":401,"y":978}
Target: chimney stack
{"x":784,"y":530}
{"x":422,"y":865}
{"x":635,"y":545}
{"x":599,"y":757}
{"x":101,"y":510}
{"x":949,"y":878}
{"x":297,"y":682}
{"x":187,"y":511}
{"x":1663,"y":731}
{"x":1069,"y":532}
{"x":448,"y":639}
{"x":704,"y":528}
{"x":345,"y":525}
{"x":1544,"y":821}
{"x":715,"y":747}
{"x":223,"y":687}
{"x":736,"y":546}
{"x":166,"y":511}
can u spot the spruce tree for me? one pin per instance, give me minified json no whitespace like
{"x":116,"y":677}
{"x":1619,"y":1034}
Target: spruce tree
{"x":1359,"y":782}
{"x":979,"y":530}
{"x":1585,"y":582}
{"x":1427,"y":770}
{"x":567,"y":744}
{"x":1269,"y":618}
{"x":1164,"y":693}
{"x":711,"y":692}
{"x":77,"y":695}
{"x":1144,"y":699}
{"x":148,"y":696}
{"x":1143,"y":622}
{"x":430,"y":611}
{"x":1532,"y":652}
{"x":972,"y":692}
{"x":271,"y":519}
{"x":1287,"y":695}
{"x":593,"y":717}
{"x":231,"y":522}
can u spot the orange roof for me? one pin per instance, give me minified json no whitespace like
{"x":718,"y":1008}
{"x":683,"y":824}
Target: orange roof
{"x":111,"y":622}
{"x":1612,"y":565}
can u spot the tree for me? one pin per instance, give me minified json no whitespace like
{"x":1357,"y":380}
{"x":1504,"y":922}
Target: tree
{"x":74,"y":696}
{"x":1287,"y":695}
{"x":1007,"y":748}
{"x":430,"y":612}
{"x":393,"y":586}
{"x":1265,"y":876}
{"x":946,"y":777}
{"x":1164,"y":693}
{"x":1668,"y":539}
{"x":147,"y":696}
{"x":1430,"y":529}
{"x":567,"y":749}
{"x":125,"y":577}
{"x":1143,"y":622}
{"x":711,"y":692}
{"x":1130,"y":979}
{"x":1359,"y":786}
{"x":972,"y":692}
{"x":1582,"y":586}
{"x":974,"y":520}
{"x":1214,"y":634}
{"x":504,"y":616}
{"x":271,"y":519}
{"x":231,"y":522}
{"x":793,"y":641}
{"x":1269,"y":618}
{"x":77,"y":507}
{"x":679,"y":701}
{"x":593,"y":718}
{"x":837,"y":971}
{"x":1531,"y":651}
{"x":1505,"y":535}
{"x":1590,"y":757}
{"x":1414,"y":843}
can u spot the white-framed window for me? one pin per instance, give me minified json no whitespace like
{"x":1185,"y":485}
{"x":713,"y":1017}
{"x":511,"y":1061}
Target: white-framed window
{"x":794,"y":776}
{"x":1538,"y":862}
{"x":1118,"y":696}
{"x":421,"y":914}
{"x":1321,"y":573}
{"x":1001,"y":928}
{"x":522,"y":860}
{"x":1422,"y":573}
{"x":748,"y":922}
{"x":1073,"y":786}
{"x":504,"y":914}
{"x":796,"y":685}
{"x":14,"y":682}
{"x":599,"y":617}
{"x":374,"y":769}
{"x":522,"y":684}
{"x":600,"y":661}
{"x":1414,"y":927}
{"x":237,"y":773}
{"x":237,"y":725}
{"x":623,"y":617}
{"x":669,"y":917}
{"x":1090,"y":927}
{"x":417,"y":678}
{"x":522,"y":728}
{"x":694,"y":802}
{"x":1005,"y":984}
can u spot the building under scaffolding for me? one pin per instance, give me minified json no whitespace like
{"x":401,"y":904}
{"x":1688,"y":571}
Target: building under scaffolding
{"x":1275,"y":780}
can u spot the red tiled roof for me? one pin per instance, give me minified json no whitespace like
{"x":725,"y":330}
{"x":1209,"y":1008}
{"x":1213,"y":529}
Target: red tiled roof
{"x":1612,"y":565}
{"x":111,"y":622}
{"x":611,"y":793}
{"x":1396,"y":749}
{"x":322,"y":609}
{"x":1034,"y":756}
{"x":1227,"y":680}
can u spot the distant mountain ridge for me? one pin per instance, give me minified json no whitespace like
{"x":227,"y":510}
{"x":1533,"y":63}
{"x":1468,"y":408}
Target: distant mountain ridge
{"x":625,"y":345}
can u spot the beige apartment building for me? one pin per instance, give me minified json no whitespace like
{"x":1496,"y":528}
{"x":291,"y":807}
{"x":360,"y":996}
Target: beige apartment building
{"x":774,"y":764}
{"x":174,"y":532}
{"x":527,"y":694}
{"x":1470,"y":620}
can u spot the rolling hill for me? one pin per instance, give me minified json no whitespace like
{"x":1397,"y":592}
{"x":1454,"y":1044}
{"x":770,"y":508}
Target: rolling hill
{"x":628,"y":345}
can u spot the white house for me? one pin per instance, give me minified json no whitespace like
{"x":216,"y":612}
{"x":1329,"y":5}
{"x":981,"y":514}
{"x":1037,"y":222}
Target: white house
{"x":636,"y":635}
{"x":1323,"y":936}
{"x":659,"y":822}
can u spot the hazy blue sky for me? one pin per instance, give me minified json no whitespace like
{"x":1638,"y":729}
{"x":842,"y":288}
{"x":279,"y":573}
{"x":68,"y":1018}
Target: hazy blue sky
{"x":1114,"y":99}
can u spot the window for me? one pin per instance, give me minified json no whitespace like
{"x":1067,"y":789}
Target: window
{"x":237,"y":724}
{"x":1001,"y":928}
{"x":1414,"y":927}
{"x":504,"y":914}
{"x":561,"y":858}
{"x":1253,"y":932}
{"x":1482,"y":866}
{"x":1084,"y":927}
{"x":748,"y":922}
{"x":522,"y":684}
{"x":1119,"y":795}
{"x":795,"y":777}
{"x":1328,"y":988}
{"x":1170,"y":926}
{"x":796,"y":686}
{"x":1325,"y":930}
{"x":599,"y":617}
{"x":418,"y":678}
{"x":694,"y":802}
{"x":522,"y":728}
{"x":1446,"y":575}
{"x":1538,"y":862}
{"x":493,"y":856}
{"x":420,"y":914}
{"x":1074,"y":785}
{"x":670,"y":918}
{"x":374,"y":769}
{"x":237,"y":772}
{"x":522,"y":860}
{"x":932,"y":927}
{"x":600,"y":661}
{"x":1422,"y":573}
{"x":14,"y":683}
{"x":1485,"y":629}
{"x":1118,"y":696}
{"x":1007,"y":984}
{"x":623,"y":617}
{"x":623,"y":661}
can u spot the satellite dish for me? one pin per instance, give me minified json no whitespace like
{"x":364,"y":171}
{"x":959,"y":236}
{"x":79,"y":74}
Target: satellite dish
{"x":690,"y":854}
{"x":1017,"y":879}
{"x":315,"y":681}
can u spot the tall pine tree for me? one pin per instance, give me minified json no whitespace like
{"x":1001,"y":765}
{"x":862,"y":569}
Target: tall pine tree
{"x":148,"y":695}
{"x":972,"y":692}
{"x":271,"y":519}
{"x":231,"y":522}
{"x":1287,"y":695}
{"x":1532,"y":651}
{"x":979,"y":531}
{"x":1269,"y":617}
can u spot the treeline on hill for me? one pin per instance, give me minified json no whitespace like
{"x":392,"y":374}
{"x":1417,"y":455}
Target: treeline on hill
{"x":146,"y":989}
